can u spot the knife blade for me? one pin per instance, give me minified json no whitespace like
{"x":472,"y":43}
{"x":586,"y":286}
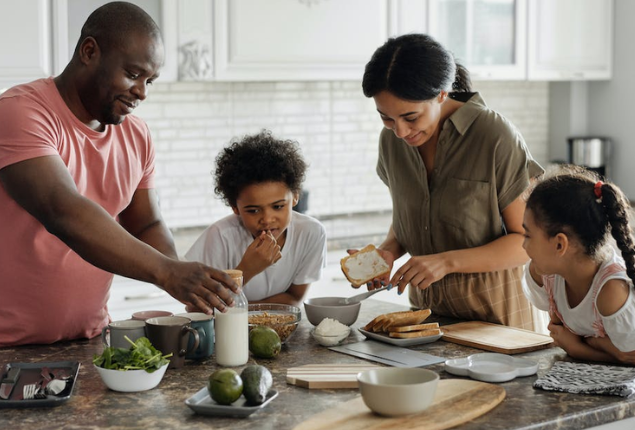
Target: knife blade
{"x":6,"y":387}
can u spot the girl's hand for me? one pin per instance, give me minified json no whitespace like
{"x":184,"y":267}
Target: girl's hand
{"x":565,"y":338}
{"x":378,"y":282}
{"x":420,"y":272}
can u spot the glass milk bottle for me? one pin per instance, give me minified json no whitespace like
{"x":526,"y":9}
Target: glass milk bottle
{"x":232,"y":328}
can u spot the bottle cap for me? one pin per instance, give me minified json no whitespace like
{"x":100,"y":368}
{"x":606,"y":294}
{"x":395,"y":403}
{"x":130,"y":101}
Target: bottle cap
{"x":234,"y":273}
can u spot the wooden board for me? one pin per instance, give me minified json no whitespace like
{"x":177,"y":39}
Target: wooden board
{"x":321,"y":376}
{"x":456,"y":401}
{"x":495,"y":337}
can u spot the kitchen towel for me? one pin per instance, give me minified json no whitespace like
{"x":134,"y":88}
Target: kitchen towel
{"x":582,"y":378}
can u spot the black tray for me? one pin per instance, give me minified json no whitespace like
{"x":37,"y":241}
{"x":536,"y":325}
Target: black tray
{"x":30,"y":374}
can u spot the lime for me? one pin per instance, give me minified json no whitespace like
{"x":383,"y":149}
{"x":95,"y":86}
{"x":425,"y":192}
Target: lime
{"x":225,"y":386}
{"x":264,"y":342}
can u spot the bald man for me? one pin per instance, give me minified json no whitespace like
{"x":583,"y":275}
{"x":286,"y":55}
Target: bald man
{"x":77,"y":198}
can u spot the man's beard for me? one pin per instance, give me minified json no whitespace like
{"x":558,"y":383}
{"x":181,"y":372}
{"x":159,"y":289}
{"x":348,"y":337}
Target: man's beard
{"x":108,"y":116}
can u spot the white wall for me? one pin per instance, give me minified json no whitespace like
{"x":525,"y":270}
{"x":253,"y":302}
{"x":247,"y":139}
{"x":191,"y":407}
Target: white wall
{"x":602,"y":108}
{"x":337,"y":128}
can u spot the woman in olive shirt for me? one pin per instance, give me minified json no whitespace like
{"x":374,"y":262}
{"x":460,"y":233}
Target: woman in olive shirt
{"x":456,"y":171}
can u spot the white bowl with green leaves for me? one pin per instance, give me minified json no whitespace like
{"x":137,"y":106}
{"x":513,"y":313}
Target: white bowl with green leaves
{"x":139,"y":368}
{"x":130,"y":381}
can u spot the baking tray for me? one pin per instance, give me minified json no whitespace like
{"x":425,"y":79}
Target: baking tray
{"x":30,"y":374}
{"x":202,"y":403}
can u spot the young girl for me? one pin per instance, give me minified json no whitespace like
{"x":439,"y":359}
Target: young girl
{"x":279,"y":251}
{"x":574,"y":273}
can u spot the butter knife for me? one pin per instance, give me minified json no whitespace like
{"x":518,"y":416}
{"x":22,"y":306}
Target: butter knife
{"x":9,"y":382}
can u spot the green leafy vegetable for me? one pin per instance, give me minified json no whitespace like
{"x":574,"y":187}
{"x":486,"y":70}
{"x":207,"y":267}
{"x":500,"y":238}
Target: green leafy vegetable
{"x":140,"y":356}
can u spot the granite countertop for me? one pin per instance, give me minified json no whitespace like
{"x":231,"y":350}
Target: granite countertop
{"x":92,"y":405}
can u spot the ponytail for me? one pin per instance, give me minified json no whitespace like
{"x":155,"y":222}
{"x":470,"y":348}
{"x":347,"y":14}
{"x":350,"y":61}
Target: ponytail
{"x":462,"y":81}
{"x":617,"y":211}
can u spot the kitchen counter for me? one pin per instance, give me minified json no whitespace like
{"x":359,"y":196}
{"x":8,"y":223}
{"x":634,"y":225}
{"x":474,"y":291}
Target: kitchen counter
{"x":92,"y":405}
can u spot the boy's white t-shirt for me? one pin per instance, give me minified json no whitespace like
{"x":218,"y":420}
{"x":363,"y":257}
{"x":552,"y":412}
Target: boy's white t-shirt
{"x":223,"y":244}
{"x":619,"y":327}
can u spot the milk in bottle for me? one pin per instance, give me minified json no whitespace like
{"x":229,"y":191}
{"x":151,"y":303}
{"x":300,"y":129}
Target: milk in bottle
{"x":232,"y":328}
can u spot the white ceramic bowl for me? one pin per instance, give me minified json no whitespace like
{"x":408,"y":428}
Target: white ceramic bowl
{"x":330,"y":340}
{"x":130,"y":381}
{"x":396,"y":391}
{"x":318,"y":308}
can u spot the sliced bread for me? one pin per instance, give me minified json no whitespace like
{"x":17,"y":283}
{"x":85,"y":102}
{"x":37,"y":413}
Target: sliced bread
{"x":364,"y":266}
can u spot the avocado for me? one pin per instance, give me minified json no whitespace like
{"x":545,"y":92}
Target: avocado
{"x":257,"y":382}
{"x":264,"y":342}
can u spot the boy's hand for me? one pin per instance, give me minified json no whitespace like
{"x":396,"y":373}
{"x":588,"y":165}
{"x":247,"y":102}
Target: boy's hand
{"x":262,"y":253}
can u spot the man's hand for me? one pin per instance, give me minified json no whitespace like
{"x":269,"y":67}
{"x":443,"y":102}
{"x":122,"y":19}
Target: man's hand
{"x":200,"y":287}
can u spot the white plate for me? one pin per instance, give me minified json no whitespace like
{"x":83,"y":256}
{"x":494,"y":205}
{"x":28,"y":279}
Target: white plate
{"x":202,"y":403}
{"x":382,"y":337}
{"x":491,"y":367}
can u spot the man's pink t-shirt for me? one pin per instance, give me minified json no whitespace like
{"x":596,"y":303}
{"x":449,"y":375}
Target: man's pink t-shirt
{"x":48,"y":292}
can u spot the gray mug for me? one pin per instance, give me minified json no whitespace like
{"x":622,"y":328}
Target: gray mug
{"x":170,"y":336}
{"x":113,"y":334}
{"x":204,"y":325}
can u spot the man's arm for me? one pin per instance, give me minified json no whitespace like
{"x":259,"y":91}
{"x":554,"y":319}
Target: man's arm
{"x":142,"y":219}
{"x":45,"y":189}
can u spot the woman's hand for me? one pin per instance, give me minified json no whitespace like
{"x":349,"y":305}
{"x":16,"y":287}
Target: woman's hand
{"x":420,"y":272}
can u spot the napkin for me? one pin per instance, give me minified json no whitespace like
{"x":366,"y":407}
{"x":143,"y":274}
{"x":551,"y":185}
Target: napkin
{"x":582,"y":378}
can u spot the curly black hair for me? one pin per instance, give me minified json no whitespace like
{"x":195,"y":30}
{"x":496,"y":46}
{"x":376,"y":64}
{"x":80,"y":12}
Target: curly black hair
{"x":566,"y":202}
{"x":256,"y":159}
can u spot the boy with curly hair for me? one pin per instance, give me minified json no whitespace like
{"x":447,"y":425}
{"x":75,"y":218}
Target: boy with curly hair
{"x":281,"y":252}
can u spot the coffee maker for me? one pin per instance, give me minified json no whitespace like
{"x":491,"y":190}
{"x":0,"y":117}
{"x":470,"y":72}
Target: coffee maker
{"x":594,"y":153}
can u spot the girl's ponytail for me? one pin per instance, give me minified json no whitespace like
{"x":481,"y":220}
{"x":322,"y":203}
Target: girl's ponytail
{"x":617,"y":211}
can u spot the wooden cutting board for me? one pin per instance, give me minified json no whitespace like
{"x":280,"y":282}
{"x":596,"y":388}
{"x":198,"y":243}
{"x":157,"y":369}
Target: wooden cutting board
{"x":456,"y":401}
{"x":495,"y":337}
{"x":323,"y":376}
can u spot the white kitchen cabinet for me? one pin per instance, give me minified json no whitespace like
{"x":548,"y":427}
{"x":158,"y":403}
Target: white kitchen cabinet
{"x":486,"y":36}
{"x":570,"y":39}
{"x":70,"y":15}
{"x":277,"y":40}
{"x":25,"y":41}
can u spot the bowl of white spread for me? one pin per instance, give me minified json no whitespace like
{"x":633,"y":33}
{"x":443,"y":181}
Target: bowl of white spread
{"x":330,"y":332}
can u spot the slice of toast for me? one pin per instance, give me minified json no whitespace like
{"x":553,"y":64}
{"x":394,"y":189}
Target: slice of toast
{"x":413,"y":334}
{"x":409,"y":318}
{"x":377,"y":323}
{"x":416,"y":327}
{"x":364,"y":266}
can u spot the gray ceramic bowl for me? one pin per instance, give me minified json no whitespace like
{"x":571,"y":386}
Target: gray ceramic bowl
{"x":396,"y":391}
{"x":318,"y":308}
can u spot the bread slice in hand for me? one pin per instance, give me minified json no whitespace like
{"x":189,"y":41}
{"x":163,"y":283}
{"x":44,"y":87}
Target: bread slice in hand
{"x":412,"y":334}
{"x":364,"y":266}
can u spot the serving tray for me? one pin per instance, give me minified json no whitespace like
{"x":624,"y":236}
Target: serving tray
{"x":203,"y":404}
{"x":30,"y":374}
{"x":383,"y":337}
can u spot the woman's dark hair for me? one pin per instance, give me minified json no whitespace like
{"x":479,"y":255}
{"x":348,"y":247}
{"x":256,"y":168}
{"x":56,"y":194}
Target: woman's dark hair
{"x":256,"y":159}
{"x":566,"y":203}
{"x":414,"y":67}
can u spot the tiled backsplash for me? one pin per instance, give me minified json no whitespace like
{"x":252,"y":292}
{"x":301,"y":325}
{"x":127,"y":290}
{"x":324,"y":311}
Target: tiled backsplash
{"x":336,"y":126}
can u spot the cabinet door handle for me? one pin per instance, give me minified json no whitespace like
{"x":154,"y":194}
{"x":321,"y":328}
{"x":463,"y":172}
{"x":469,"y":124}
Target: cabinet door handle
{"x":146,"y":296}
